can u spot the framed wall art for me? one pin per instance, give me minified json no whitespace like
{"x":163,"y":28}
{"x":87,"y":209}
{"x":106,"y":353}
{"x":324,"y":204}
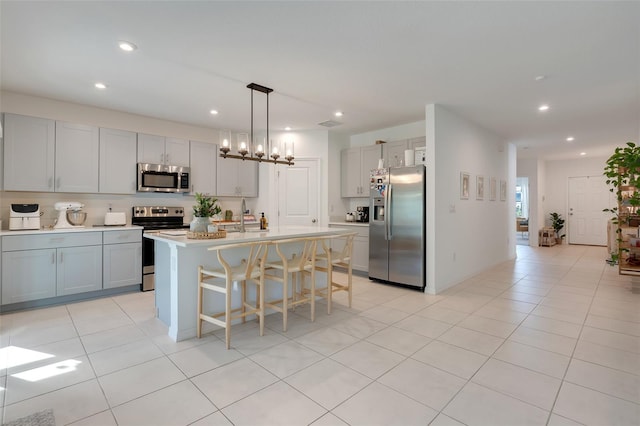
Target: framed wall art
{"x":479,"y":187}
{"x":464,"y":185}
{"x":503,"y":190}
{"x":492,"y":189}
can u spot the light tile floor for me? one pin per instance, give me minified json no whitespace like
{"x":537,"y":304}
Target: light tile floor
{"x":551,"y":338}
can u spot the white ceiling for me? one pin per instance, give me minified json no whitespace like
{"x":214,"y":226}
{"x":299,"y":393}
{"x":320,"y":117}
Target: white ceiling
{"x":379,"y":62}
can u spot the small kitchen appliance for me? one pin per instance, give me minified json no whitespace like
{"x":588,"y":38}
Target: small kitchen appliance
{"x":115,"y":219}
{"x":163,"y":178}
{"x":24,"y":216}
{"x":362,"y":214}
{"x":70,"y":215}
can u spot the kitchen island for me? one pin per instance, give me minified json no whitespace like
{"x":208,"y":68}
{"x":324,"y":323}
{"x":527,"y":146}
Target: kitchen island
{"x":176,"y":271}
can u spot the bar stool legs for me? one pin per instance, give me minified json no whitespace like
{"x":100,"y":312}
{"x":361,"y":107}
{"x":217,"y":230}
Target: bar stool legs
{"x":330,"y":258}
{"x":249,"y":270}
{"x":287,"y":269}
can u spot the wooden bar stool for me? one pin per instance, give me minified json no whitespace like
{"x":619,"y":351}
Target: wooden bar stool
{"x":220,"y":280}
{"x":336,"y":252}
{"x":302,"y":258}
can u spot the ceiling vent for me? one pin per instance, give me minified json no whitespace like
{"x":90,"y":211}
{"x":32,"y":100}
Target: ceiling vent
{"x":330,"y":123}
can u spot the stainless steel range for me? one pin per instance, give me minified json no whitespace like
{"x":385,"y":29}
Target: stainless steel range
{"x":153,"y":218}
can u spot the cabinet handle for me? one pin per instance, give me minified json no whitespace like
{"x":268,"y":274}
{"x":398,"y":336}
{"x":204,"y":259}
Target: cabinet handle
{"x":50,"y":182}
{"x":53,"y":258}
{"x":61,"y":256}
{"x":58,"y":183}
{"x":166,"y":158}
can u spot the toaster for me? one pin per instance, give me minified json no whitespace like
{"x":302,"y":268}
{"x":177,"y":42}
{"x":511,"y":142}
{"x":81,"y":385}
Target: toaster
{"x":115,"y":219}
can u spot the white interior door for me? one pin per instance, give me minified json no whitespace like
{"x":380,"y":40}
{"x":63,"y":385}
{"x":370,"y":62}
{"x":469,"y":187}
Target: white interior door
{"x":298,"y":193}
{"x":588,"y":196}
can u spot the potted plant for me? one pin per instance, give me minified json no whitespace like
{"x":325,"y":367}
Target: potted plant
{"x":204,"y":208}
{"x":557,"y":223}
{"x":622,"y":171}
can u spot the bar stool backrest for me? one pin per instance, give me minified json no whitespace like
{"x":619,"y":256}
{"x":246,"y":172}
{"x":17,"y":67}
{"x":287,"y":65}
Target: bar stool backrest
{"x":299,"y":260}
{"x":254,"y":263}
{"x":343,"y":255}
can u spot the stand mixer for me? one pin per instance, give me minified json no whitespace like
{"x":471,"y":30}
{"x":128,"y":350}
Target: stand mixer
{"x":70,"y":215}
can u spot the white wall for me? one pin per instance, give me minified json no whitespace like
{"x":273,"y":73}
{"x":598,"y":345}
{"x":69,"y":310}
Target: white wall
{"x":337,"y":205}
{"x":465,"y":237}
{"x":404,"y":131}
{"x":309,"y":144}
{"x":549,"y":185}
{"x":558,"y":174}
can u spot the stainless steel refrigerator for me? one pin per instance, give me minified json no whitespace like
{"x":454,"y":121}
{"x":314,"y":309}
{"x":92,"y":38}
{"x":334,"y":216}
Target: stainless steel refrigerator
{"x":397,"y":225}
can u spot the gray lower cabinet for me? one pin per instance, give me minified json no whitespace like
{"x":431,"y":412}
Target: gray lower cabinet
{"x":78,"y":269}
{"x":28,"y":275}
{"x":60,"y":264}
{"x":360,"y":254}
{"x":38,"y":274}
{"x":122,"y":258}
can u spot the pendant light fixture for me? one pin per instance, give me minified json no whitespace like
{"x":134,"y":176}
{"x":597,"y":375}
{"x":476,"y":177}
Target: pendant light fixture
{"x":247,"y":148}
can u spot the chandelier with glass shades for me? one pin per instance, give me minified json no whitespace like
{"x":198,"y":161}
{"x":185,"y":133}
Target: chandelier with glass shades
{"x":248,"y":148}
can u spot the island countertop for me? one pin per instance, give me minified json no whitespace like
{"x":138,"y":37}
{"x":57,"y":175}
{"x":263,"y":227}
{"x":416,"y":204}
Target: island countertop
{"x":275,"y":233}
{"x":176,"y":271}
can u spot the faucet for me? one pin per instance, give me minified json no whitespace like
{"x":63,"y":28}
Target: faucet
{"x":243,"y":208}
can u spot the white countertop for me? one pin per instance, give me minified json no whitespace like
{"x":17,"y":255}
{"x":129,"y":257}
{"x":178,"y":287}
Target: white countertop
{"x":64,"y":230}
{"x":275,"y":233}
{"x":345,"y":223}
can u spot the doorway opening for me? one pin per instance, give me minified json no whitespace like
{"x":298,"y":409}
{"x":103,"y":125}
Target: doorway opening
{"x":522,"y":211}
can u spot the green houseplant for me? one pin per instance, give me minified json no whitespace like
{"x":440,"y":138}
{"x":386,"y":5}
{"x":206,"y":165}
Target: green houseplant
{"x":557,"y":223}
{"x":204,"y":208}
{"x":622,"y":171}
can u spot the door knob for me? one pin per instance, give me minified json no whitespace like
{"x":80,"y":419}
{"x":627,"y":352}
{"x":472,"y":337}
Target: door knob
{"x":313,"y":221}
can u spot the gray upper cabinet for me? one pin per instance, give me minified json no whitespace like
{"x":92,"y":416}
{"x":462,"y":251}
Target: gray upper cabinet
{"x":77,"y":157}
{"x":162,"y":150}
{"x":29,"y":153}
{"x":356,"y":165}
{"x":236,"y":178}
{"x":394,"y":153}
{"x":117,"y":161}
{"x":46,"y":156}
{"x":418,"y":142}
{"x":203,"y":167}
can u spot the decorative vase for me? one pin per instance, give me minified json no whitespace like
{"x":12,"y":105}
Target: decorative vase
{"x":199,"y":224}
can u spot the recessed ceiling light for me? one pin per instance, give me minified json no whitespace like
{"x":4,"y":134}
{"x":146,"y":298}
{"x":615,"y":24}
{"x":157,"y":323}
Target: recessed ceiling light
{"x":100,"y":86}
{"x":127,"y":46}
{"x":287,"y":128}
{"x":540,"y":77}
{"x":214,"y":112}
{"x":583,"y":153}
{"x":570,"y":139}
{"x":339,"y":114}
{"x":543,"y":108}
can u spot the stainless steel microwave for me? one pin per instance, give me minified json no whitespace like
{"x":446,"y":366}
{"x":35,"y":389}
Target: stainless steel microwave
{"x":162,"y":178}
